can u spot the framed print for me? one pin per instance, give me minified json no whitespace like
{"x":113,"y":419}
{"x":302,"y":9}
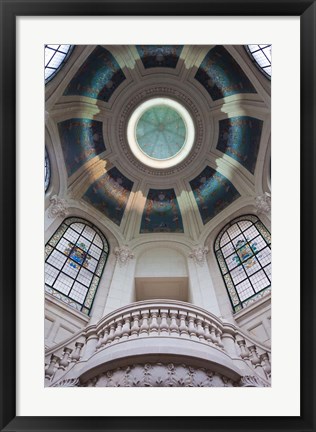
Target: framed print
{"x":162,"y":131}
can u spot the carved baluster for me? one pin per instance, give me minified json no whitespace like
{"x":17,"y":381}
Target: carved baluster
{"x":207,"y":333}
{"x":174,"y":328}
{"x":126,"y":330}
{"x":106,"y":336}
{"x":164,"y":327}
{"x":191,"y":326}
{"x":64,"y":362}
{"x":153,"y":328}
{"x":112,"y":331}
{"x":101,"y":334}
{"x":52,"y":365}
{"x":144,"y":327}
{"x":255,"y":360}
{"x":213,"y":334}
{"x":118,"y":331}
{"x":219,"y":338}
{"x":199,"y":328}
{"x":254,"y":355}
{"x":76,"y":354}
{"x":135,"y":327}
{"x":244,"y":353}
{"x":266,"y":363}
{"x":184,"y":332}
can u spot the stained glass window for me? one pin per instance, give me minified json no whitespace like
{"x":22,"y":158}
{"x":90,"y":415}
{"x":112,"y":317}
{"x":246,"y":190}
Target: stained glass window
{"x":243,"y":252}
{"x":55,"y":58}
{"x":47,"y":171}
{"x":261,"y":56}
{"x":75,"y":257}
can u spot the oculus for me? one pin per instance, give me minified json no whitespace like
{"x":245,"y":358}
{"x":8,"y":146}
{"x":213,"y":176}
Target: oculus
{"x":160,"y":132}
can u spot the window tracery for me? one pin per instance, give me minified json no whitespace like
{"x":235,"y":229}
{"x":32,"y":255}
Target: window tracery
{"x":243,"y":252}
{"x":75,"y":257}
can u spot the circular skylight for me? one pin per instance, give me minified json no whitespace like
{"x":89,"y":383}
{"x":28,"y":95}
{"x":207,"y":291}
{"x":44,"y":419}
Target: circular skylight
{"x":55,"y":57}
{"x":160,"y":132}
{"x":261,"y":54}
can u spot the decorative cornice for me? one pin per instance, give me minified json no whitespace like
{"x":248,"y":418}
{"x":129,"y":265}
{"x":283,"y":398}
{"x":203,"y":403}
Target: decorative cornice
{"x":58,"y":207}
{"x":160,"y":91}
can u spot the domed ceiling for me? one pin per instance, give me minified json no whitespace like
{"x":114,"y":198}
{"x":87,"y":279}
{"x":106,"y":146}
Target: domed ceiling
{"x":160,"y":138}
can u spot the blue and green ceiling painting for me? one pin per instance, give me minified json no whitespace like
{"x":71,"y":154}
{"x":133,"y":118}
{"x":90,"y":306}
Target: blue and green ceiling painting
{"x":81,"y":140}
{"x":161,"y":213}
{"x":109,"y":194}
{"x":159,"y":55}
{"x":98,"y":77}
{"x":221,"y":75}
{"x":213,"y":193}
{"x":239,"y":138}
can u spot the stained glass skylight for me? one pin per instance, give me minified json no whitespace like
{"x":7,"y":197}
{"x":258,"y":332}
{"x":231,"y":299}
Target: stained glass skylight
{"x":55,"y":57}
{"x":160,"y":132}
{"x":261,"y":55}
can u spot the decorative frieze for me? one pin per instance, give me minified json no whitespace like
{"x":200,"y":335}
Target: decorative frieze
{"x":160,"y":375}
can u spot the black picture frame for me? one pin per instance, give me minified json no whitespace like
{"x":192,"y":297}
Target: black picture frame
{"x":9,"y":10}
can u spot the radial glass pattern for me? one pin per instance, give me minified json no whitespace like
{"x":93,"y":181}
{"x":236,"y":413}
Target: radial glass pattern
{"x":55,"y":57}
{"x":161,"y":132}
{"x":261,"y":54}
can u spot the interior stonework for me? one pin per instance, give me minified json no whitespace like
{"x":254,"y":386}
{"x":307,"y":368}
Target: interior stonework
{"x":146,"y":294}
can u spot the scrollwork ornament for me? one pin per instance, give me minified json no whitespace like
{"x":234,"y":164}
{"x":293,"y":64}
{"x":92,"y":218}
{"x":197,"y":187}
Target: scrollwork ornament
{"x":58,"y":207}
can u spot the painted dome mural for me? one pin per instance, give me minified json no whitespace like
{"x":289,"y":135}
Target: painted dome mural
{"x":161,"y":137}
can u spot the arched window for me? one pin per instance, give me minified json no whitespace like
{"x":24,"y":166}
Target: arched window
{"x":47,"y":171}
{"x":243,"y":252}
{"x":55,"y":58}
{"x":75,"y":257}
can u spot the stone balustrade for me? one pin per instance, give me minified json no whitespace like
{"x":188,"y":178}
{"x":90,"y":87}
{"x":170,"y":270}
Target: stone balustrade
{"x":159,"y":319}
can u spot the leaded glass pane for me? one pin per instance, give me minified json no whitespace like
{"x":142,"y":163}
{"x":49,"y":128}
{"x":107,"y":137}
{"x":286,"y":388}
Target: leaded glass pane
{"x":245,"y":260}
{"x":264,"y":256}
{"x":78,"y":292}
{"x":225,"y":239}
{"x":57,"y":259}
{"x":251,"y":232}
{"x":63,"y":283}
{"x":259,"y":281}
{"x":228,"y":250}
{"x":244,"y":290}
{"x":74,"y":254}
{"x":84,"y":277}
{"x":251,"y":266}
{"x":95,"y":251}
{"x":88,"y":233}
{"x":71,"y":268}
{"x":50,"y":274}
{"x":233,"y":231}
{"x":71,"y":235}
{"x":244,"y":224}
